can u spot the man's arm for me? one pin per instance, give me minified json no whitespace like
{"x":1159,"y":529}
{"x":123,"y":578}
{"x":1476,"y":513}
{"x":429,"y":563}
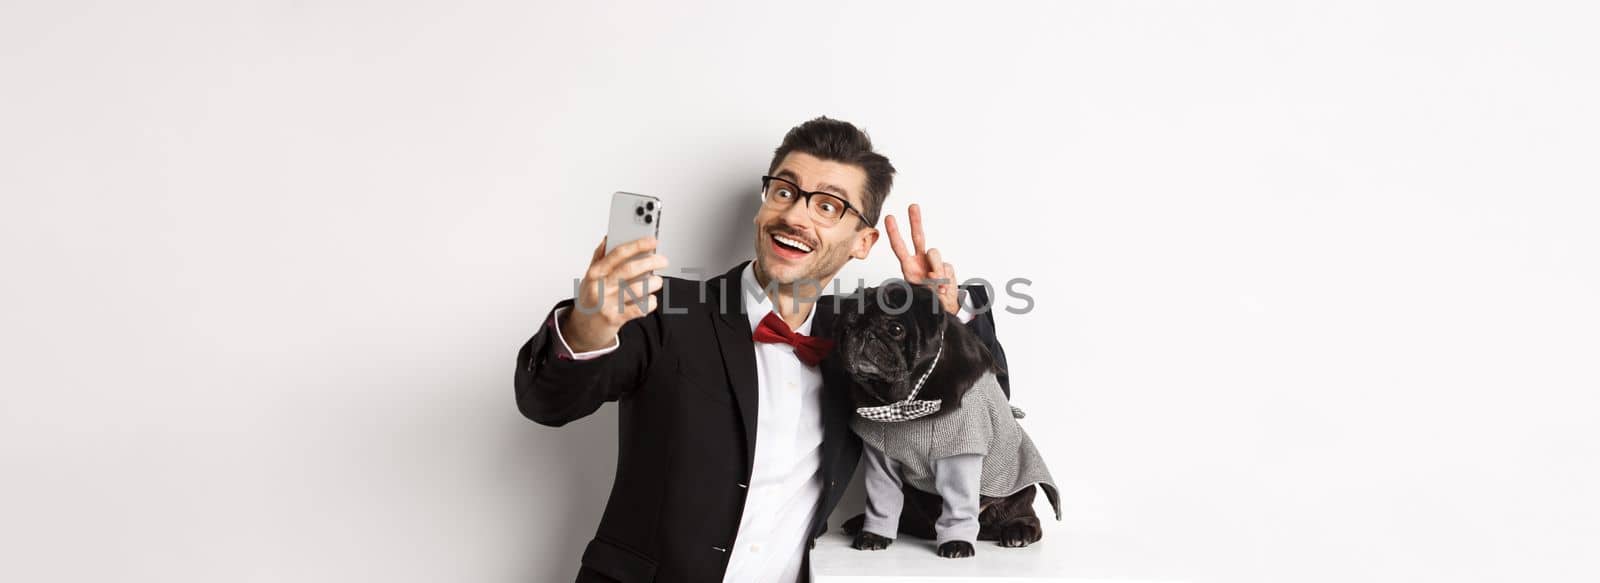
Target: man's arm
{"x":595,"y":347}
{"x":982,"y":324}
{"x":554,"y":389}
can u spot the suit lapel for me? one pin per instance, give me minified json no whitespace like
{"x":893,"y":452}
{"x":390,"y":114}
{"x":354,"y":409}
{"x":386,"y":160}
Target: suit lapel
{"x":822,"y":323}
{"x":835,"y":400}
{"x":738,"y":352}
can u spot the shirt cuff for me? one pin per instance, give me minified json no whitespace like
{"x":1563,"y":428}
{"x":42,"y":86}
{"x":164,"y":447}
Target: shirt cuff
{"x":565,"y":352}
{"x":965,"y":313}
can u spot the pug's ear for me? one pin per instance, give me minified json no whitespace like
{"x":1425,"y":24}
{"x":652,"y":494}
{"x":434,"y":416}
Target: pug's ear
{"x":963,"y":362}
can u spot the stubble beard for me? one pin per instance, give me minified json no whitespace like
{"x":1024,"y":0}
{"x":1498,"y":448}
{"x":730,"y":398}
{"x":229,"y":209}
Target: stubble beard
{"x":819,"y":267}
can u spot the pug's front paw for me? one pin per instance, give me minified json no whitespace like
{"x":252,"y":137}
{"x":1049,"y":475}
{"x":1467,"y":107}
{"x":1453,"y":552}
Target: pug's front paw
{"x":866,"y":541}
{"x":956,"y":549}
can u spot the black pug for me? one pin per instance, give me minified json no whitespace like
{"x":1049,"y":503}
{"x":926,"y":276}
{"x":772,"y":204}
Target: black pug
{"x":945,"y":457}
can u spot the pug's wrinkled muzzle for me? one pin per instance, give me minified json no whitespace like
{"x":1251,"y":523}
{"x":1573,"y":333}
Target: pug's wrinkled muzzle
{"x":911,"y":407}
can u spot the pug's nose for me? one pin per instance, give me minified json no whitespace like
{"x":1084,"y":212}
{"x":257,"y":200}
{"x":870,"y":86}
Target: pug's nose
{"x":862,"y":362}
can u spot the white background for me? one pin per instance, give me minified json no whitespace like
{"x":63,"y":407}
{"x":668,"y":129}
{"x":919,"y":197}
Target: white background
{"x":1316,"y":284}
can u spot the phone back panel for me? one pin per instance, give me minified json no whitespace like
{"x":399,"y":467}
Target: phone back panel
{"x":633,"y":216}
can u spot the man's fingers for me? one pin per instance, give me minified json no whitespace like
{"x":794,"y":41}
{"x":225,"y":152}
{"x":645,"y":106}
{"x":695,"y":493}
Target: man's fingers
{"x":632,"y":269}
{"x":626,"y":298}
{"x":625,"y":252}
{"x":953,"y":288}
{"x":626,"y":304}
{"x":638,"y":308}
{"x":935,"y":264}
{"x":599,"y":251}
{"x":895,"y":244}
{"x":645,"y":286}
{"x":635,"y":290}
{"x":917,"y":240}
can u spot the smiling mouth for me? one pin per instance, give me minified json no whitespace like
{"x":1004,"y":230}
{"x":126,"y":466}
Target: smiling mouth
{"x":789,"y":247}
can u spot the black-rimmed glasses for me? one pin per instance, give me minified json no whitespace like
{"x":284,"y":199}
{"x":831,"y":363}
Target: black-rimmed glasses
{"x":827,"y":208}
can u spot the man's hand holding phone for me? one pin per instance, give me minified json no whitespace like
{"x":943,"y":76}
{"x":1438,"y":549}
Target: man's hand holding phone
{"x":616,"y":288}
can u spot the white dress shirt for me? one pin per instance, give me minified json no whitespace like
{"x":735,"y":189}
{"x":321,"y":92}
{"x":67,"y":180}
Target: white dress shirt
{"x":785,"y":484}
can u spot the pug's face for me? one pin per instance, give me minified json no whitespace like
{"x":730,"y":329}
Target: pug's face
{"x":885,"y":339}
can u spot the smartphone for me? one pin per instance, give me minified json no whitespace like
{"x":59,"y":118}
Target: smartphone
{"x":633,"y":216}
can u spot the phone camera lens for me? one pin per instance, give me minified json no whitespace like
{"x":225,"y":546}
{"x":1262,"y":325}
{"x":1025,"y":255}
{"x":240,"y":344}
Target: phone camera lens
{"x":638,"y":210}
{"x":647,"y":219}
{"x":649,"y":206}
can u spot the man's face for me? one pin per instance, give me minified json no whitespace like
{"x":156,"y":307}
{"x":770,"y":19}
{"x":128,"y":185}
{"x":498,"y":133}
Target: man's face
{"x":830,"y":245}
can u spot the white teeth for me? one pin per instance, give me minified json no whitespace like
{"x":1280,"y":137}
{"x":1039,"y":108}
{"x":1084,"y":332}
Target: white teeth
{"x":792,"y":243}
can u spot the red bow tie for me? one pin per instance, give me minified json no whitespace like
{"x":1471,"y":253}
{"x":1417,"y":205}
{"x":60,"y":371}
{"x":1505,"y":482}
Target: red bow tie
{"x":810,"y":349}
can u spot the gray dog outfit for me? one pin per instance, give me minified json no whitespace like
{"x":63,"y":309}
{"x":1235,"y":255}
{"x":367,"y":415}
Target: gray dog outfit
{"x":979,"y":444}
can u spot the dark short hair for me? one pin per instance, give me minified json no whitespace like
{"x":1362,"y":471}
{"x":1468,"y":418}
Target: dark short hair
{"x":840,"y":141}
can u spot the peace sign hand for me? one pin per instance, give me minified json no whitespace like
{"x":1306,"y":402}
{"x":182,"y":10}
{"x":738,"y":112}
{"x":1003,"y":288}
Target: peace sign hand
{"x":922,"y":266}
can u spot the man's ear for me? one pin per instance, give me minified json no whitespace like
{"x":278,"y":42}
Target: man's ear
{"x":864,"y":241}
{"x":963,"y":362}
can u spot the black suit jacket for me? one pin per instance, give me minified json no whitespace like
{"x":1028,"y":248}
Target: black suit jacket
{"x":685,"y":384}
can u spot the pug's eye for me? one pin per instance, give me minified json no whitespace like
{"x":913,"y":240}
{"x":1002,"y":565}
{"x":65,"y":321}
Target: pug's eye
{"x":896,"y":331}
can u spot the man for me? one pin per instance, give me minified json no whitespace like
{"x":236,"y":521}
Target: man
{"x":731,"y":451}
